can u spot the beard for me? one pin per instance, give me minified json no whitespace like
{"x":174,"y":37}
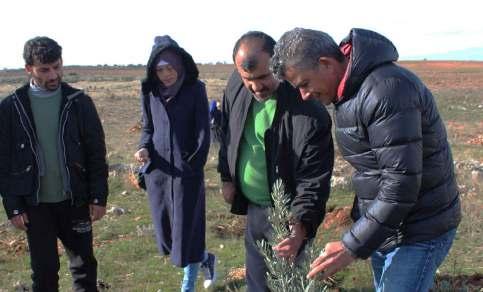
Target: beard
{"x":262,"y":95}
{"x":52,"y":85}
{"x":49,"y":85}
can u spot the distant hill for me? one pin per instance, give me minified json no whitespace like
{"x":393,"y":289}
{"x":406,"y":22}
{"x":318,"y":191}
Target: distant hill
{"x":470,"y":54}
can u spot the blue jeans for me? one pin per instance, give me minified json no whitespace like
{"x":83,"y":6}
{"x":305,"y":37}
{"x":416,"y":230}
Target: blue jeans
{"x":190,"y":275}
{"x":410,"y":267}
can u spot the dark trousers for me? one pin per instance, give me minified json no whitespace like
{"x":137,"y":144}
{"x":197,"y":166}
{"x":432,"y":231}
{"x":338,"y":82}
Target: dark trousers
{"x":258,"y":228}
{"x":72,"y":225}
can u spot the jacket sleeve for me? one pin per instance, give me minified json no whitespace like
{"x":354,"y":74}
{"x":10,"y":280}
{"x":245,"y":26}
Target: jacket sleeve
{"x":95,"y":147}
{"x":223,"y":167}
{"x":12,"y":203}
{"x":313,"y":171}
{"x":198,"y":158}
{"x":393,"y":122}
{"x":147,"y":128}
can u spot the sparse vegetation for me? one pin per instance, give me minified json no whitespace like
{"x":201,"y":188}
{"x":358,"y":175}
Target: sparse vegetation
{"x":125,"y":247}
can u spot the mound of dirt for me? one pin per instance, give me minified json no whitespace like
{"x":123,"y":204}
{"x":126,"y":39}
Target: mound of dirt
{"x":236,"y":274}
{"x":339,"y":218}
{"x":13,"y":244}
{"x":227,"y":225}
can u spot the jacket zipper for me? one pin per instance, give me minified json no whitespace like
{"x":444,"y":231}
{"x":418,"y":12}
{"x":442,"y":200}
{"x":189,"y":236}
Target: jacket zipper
{"x":62,"y":142}
{"x":66,"y":111}
{"x":30,"y":141}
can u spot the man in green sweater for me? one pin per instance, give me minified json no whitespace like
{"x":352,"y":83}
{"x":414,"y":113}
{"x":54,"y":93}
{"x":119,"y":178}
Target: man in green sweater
{"x":269,"y":133}
{"x":53,"y":171}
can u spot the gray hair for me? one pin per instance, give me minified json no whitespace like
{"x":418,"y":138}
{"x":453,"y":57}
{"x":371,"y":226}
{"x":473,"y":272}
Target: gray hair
{"x":301,"y":48}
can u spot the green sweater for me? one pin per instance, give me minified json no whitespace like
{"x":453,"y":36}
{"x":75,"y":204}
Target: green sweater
{"x":45,"y":109}
{"x":251,"y":164}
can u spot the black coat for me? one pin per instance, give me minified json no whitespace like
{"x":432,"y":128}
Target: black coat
{"x":389,"y":129}
{"x":298,"y":147}
{"x":177,"y":136}
{"x":81,"y":145}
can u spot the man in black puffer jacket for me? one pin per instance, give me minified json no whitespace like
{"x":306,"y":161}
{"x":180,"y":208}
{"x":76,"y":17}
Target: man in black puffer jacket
{"x":407,"y":206}
{"x":53,"y":170}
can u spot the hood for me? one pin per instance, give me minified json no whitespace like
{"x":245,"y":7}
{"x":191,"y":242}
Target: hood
{"x":369,"y":51}
{"x":162,"y":43}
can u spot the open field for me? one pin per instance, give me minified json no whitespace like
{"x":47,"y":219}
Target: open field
{"x":125,"y":248}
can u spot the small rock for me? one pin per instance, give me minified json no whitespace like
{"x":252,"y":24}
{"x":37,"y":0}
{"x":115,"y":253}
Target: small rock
{"x":145,"y":230}
{"x":118,"y":211}
{"x":103,"y":285}
{"x":477,"y":176}
{"x":339,"y":181}
{"x":20,"y":287}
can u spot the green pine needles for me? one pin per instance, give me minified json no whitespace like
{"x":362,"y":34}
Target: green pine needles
{"x":284,"y":275}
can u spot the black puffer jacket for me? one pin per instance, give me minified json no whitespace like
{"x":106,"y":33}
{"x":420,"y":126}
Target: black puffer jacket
{"x":389,"y":129}
{"x":81,"y":146}
{"x":298,"y":148}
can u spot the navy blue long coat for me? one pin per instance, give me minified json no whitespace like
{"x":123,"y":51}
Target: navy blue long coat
{"x":176,"y":134}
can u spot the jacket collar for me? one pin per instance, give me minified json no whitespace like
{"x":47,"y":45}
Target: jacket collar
{"x":68,"y":92}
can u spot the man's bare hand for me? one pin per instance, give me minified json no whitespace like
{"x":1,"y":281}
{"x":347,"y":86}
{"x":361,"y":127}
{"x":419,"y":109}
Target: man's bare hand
{"x":289,"y":247}
{"x":229,"y":191}
{"x":96,"y":212}
{"x":20,"y":221}
{"x":334,"y":258}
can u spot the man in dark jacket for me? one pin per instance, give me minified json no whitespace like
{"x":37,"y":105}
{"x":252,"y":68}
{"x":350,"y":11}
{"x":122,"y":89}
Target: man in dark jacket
{"x":269,"y":133}
{"x":407,"y":206}
{"x":53,"y":172}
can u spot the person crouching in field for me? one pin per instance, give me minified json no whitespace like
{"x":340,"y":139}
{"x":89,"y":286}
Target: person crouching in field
{"x":175,"y":140}
{"x":53,"y":170}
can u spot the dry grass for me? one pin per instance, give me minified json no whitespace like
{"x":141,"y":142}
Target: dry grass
{"x":128,"y":259}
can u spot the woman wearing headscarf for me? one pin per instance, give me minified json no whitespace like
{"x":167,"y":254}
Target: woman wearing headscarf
{"x":174,"y":142}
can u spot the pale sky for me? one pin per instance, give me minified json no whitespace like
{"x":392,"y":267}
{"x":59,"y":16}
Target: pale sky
{"x":95,"y":32}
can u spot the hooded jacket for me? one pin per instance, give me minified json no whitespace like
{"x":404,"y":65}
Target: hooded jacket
{"x":177,"y":136}
{"x":167,"y":131}
{"x":82,"y":150}
{"x":298,"y":148}
{"x":389,"y":129}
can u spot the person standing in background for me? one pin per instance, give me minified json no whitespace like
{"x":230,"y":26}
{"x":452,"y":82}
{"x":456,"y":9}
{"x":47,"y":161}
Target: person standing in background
{"x":175,"y":141}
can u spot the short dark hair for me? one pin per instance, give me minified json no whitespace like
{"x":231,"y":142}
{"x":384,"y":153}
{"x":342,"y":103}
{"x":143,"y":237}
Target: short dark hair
{"x":44,"y":50}
{"x":301,"y":48}
{"x":268,"y":43}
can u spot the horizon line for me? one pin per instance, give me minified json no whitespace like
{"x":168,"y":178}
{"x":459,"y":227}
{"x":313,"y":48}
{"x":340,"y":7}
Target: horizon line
{"x":217,"y":63}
